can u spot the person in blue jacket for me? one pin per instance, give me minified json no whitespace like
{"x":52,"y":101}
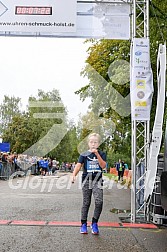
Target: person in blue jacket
{"x":45,"y":167}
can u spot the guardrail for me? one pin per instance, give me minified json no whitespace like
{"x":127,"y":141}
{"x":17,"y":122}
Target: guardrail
{"x":10,"y":170}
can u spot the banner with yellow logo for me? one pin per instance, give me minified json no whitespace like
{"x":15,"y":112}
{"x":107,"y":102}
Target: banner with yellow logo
{"x":141,"y":86}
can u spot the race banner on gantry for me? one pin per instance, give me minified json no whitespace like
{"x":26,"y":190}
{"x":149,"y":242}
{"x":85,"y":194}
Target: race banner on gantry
{"x":65,"y":18}
{"x":38,"y":15}
{"x":141,"y":86}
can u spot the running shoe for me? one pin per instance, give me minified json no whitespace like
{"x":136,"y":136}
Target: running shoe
{"x":83,"y":229}
{"x":95,"y":229}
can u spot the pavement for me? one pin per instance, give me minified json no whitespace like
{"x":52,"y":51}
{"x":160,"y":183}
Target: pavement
{"x":39,"y":214}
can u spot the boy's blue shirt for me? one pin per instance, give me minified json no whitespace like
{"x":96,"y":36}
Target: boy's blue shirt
{"x":90,"y":163}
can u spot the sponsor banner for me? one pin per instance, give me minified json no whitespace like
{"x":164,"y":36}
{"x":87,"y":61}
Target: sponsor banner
{"x":141,"y":86}
{"x":38,"y":15}
{"x":65,"y":18}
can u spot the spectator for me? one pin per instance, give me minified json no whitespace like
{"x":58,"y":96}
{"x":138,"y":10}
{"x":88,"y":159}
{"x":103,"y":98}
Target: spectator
{"x":120,"y":168}
{"x":4,"y":157}
{"x":50,"y":164}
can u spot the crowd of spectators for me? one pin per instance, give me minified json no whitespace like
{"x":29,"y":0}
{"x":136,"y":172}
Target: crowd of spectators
{"x":13,"y":162}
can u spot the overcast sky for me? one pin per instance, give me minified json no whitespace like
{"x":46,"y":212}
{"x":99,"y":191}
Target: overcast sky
{"x":29,"y":64}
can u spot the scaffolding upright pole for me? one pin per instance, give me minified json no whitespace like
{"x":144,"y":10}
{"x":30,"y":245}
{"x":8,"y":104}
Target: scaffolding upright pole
{"x":140,"y":129}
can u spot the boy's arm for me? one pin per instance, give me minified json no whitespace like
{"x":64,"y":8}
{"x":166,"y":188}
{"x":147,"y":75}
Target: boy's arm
{"x":75,"y":172}
{"x":102,"y":163}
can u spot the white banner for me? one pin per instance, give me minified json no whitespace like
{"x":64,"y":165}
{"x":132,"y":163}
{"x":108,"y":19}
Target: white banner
{"x":102,"y":20}
{"x":141,"y":86}
{"x":90,"y":19}
{"x":38,"y":15}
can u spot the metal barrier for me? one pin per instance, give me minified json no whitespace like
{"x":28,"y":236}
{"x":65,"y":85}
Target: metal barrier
{"x":8,"y":170}
{"x":5,"y":170}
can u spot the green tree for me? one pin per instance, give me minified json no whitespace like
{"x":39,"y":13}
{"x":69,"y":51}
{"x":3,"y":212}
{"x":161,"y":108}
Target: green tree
{"x":21,"y":133}
{"x":34,"y":132}
{"x":102,"y":54}
{"x":67,"y":151}
{"x":8,"y":109}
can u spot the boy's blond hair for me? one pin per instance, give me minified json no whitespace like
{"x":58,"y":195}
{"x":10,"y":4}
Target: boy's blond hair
{"x":94,"y":135}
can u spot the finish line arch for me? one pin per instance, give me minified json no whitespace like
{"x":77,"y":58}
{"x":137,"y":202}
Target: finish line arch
{"x":97,"y":24}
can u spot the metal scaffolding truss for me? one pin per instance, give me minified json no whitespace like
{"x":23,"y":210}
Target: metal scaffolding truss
{"x":140,"y":129}
{"x":140,"y":18}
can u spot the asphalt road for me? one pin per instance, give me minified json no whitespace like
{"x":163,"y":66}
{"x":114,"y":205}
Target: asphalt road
{"x":56,"y":199}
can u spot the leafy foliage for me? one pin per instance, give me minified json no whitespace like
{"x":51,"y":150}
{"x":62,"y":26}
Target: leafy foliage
{"x":28,"y":128}
{"x":8,"y":109}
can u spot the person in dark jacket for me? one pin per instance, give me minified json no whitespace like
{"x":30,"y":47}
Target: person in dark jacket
{"x":120,"y":169}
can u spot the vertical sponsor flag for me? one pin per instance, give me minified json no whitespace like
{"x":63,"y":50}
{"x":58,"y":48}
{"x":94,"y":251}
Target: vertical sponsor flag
{"x":141,"y":86}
